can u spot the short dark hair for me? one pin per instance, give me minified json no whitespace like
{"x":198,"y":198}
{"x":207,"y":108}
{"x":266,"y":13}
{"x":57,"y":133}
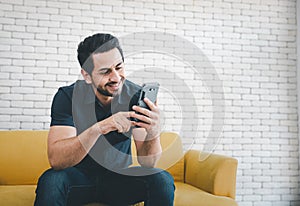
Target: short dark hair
{"x":94,"y":44}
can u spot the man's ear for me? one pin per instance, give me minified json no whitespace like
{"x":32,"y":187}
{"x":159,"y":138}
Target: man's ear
{"x":87,"y":77}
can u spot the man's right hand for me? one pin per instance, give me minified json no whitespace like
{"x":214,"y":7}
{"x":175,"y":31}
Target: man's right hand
{"x":119,"y":121}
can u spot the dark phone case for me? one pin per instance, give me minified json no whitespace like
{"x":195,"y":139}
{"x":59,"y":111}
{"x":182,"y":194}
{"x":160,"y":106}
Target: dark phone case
{"x":150,"y":91}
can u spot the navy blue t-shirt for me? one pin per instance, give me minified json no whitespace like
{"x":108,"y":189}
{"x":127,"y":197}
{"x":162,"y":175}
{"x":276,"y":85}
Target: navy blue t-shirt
{"x":77,"y":106}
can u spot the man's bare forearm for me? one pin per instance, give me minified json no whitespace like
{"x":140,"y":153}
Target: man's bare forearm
{"x":150,"y":152}
{"x":70,"y":151}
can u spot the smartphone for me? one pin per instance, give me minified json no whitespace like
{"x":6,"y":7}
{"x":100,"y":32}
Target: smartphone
{"x":149,"y":90}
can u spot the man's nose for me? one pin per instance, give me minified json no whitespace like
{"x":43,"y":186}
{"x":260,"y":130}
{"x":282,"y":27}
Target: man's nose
{"x":114,"y":76}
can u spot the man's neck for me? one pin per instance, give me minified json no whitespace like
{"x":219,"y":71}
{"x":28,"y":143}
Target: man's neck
{"x":105,"y":100}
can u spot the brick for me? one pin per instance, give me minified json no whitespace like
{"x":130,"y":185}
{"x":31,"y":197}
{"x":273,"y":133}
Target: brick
{"x":15,"y":14}
{"x":48,"y":10}
{"x":10,"y":111}
{"x":21,"y":118}
{"x":46,"y":36}
{"x":103,"y":8}
{"x":47,"y":63}
{"x":26,"y":22}
{"x":63,"y":18}
{"x":69,"y":38}
{"x":31,"y":126}
{"x":6,"y":7}
{"x":19,"y":28}
{"x":35,"y":29}
{"x":21,"y":90}
{"x":10,"y":125}
{"x":5,"y":61}
{"x":79,"y":6}
{"x":38,"y":16}
{"x":5,"y":34}
{"x":70,"y":78}
{"x":51,"y":43}
{"x":34,"y":56}
{"x":70,"y":12}
{"x":20,"y":35}
{"x":23,"y":62}
{"x":50,"y":50}
{"x":7,"y":54}
{"x":43,"y":23}
{"x":43,"y":119}
{"x":22,"y":48}
{"x":39,"y":43}
{"x":22,"y":104}
{"x":57,"y":4}
{"x":21,"y":76}
{"x":31,"y":83}
{"x":83,"y":19}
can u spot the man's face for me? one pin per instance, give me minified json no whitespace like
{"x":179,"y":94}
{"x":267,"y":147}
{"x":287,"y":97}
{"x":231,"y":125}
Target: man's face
{"x":108,"y":73}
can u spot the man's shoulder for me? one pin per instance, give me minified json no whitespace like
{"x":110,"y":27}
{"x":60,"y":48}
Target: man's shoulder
{"x":69,"y":89}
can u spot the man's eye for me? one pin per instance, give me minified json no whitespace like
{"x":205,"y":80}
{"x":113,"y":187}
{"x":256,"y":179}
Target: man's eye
{"x":106,"y":71}
{"x":119,"y":68}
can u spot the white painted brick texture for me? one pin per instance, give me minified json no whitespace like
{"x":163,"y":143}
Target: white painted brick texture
{"x":250,"y":43}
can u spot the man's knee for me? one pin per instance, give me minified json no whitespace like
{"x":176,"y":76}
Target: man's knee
{"x":52,"y":188}
{"x":163,"y":181}
{"x":165,"y":177}
{"x":162,"y":189}
{"x":52,"y":179}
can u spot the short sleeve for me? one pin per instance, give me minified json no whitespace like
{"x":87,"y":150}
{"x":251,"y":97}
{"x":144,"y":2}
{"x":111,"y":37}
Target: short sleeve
{"x":61,"y":110}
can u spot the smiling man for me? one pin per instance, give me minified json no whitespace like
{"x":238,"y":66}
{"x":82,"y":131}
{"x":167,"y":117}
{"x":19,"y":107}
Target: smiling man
{"x":89,"y":143}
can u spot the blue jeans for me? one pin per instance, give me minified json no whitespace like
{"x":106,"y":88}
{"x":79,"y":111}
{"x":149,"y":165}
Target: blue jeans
{"x":74,"y":187}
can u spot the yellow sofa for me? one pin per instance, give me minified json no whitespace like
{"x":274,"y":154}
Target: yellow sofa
{"x":23,"y":158}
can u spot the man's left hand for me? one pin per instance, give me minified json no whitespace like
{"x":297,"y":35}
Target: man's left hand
{"x":149,"y":118}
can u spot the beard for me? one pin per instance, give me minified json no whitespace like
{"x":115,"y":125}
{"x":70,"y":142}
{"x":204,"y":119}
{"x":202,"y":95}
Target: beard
{"x":105,"y":92}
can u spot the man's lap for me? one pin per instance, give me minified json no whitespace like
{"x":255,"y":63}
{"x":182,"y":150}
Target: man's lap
{"x":108,"y":187}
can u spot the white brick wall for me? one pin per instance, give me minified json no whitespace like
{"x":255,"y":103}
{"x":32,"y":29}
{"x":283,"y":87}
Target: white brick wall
{"x":251,"y":43}
{"x":298,"y":68}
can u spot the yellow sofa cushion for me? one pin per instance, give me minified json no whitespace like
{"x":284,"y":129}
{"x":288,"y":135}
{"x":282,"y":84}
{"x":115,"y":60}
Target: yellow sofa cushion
{"x":216,"y":174}
{"x":189,"y":195}
{"x":172,"y":158}
{"x":26,"y":153}
{"x":17,"y":195}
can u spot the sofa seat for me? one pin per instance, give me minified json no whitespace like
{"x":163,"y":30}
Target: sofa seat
{"x":17,"y":195}
{"x":187,"y":195}
{"x":210,"y":181}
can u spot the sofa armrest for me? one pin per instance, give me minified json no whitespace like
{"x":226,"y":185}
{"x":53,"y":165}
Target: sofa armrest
{"x":216,"y":174}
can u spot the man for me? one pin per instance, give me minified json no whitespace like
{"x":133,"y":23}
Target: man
{"x":89,"y":138}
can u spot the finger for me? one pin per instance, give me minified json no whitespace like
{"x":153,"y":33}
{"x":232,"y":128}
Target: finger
{"x":126,"y":125}
{"x":142,"y":118}
{"x":142,"y":110}
{"x":126,"y":114}
{"x":142,"y":125}
{"x":119,"y":128}
{"x":122,"y":124}
{"x":151,"y":105}
{"x":132,"y":123}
